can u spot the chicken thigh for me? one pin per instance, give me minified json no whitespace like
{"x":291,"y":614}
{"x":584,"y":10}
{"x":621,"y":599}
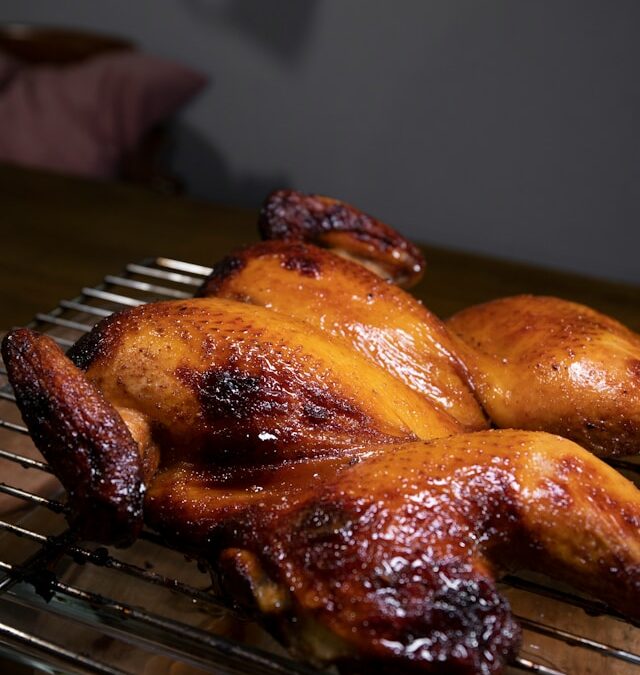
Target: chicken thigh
{"x":549,"y":364}
{"x":390,"y":557}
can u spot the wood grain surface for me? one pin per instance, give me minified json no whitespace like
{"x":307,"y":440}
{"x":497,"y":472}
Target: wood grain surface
{"x":59,"y":233}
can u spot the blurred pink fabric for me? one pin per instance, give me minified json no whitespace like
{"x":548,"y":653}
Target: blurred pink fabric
{"x":83,"y":118}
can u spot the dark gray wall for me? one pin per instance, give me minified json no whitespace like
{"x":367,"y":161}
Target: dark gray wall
{"x":507,"y":127}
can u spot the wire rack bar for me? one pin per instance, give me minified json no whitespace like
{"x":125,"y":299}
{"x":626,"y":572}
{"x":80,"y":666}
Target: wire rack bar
{"x":578,"y":640}
{"x":156,"y":273}
{"x":116,"y":298}
{"x":531,"y":667}
{"x":57,"y":321}
{"x":10,"y":426}
{"x":86,"y":309}
{"x":37,"y":644}
{"x":149,"y":288}
{"x":37,"y":500}
{"x":25,"y":462}
{"x":181,"y":266}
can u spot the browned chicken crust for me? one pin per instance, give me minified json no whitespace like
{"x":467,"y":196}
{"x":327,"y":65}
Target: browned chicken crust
{"x":238,"y":383}
{"x":293,"y":216}
{"x":549,"y":364}
{"x":392,"y":555}
{"x":380,"y":321}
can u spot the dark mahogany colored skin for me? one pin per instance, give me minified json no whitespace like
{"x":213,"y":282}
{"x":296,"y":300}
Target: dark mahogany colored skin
{"x":380,"y":321}
{"x":81,"y":435}
{"x":293,"y":216}
{"x":391,"y":554}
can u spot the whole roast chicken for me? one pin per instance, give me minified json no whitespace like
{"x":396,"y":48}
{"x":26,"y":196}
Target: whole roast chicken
{"x":321,"y":440}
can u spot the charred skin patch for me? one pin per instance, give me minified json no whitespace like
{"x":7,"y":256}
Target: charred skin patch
{"x":386,"y":593}
{"x":306,"y":265}
{"x":231,"y":393}
{"x":263,"y":413}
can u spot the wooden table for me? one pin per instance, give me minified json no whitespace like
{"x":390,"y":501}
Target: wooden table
{"x":60,"y":233}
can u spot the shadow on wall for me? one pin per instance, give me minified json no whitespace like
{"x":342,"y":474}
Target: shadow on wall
{"x":280,"y":27}
{"x":209,"y":175}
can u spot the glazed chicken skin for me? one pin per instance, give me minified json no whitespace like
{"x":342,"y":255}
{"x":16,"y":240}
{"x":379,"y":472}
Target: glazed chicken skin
{"x":239,"y":383}
{"x":384,"y":552}
{"x":390,"y":557}
{"x":204,"y":377}
{"x":355,"y":306}
{"x":544,"y":363}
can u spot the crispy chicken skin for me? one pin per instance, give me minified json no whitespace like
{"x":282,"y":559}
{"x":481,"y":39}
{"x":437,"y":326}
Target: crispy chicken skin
{"x":239,"y":383}
{"x":382,"y":322}
{"x":383,"y":552}
{"x":553,"y":365}
{"x":293,"y":216}
{"x":392,"y":555}
{"x":81,"y":435}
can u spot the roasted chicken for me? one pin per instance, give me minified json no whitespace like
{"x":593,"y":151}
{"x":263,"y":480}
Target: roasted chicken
{"x":279,"y":464}
{"x":553,"y":365}
{"x":303,"y":428}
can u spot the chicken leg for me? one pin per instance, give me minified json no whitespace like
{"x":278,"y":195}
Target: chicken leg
{"x":553,"y":365}
{"x":389,"y":558}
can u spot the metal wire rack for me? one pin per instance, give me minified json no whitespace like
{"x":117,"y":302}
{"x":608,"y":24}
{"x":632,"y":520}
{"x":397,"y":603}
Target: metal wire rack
{"x":147,"y":609}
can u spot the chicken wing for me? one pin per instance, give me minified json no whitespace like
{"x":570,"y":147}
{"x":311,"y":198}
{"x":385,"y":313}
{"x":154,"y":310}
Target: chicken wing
{"x":292,"y":216}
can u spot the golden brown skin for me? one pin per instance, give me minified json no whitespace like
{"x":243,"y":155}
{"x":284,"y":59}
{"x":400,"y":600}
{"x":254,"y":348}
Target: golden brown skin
{"x":289,"y":463}
{"x":380,"y":321}
{"x":549,"y":364}
{"x":235,"y":382}
{"x":293,"y":216}
{"x":391,"y":556}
